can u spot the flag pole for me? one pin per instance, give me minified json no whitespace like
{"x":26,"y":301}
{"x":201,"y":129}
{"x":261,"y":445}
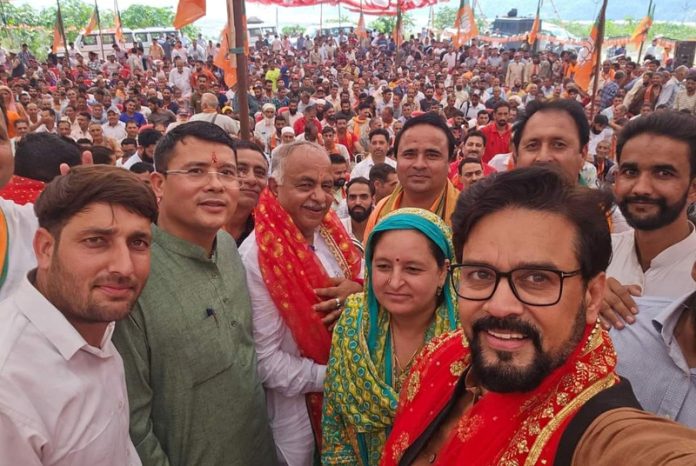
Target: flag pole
{"x":642,"y":42}
{"x":598,"y":48}
{"x":235,"y":16}
{"x":62,"y":29}
{"x":101,"y":39}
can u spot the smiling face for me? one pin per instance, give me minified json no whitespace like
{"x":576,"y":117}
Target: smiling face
{"x":423,"y":160}
{"x":405,"y":273}
{"x":306,"y":189}
{"x":196,"y":208}
{"x":515,"y":345}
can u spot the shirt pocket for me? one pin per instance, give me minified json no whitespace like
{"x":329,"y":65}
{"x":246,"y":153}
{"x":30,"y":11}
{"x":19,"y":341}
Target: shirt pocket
{"x":208,"y":350}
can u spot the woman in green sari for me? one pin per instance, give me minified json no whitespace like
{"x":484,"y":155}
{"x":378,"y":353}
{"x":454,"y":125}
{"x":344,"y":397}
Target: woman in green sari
{"x":407,"y":301}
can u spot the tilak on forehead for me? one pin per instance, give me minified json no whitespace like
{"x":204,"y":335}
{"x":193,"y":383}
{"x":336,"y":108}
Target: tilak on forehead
{"x":213,"y":158}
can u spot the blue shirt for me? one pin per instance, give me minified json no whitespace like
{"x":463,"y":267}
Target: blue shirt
{"x":137,"y":117}
{"x":651,"y":358}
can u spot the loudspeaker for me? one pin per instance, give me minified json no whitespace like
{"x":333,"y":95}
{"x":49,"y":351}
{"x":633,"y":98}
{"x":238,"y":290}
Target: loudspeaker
{"x":684,"y":53}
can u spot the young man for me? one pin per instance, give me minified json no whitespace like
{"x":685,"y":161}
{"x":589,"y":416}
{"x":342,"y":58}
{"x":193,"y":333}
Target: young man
{"x":384,"y":179}
{"x":379,"y":144}
{"x":531,"y":366}
{"x":470,"y":171}
{"x":339,"y":173}
{"x":360,"y":200}
{"x":187,"y":347}
{"x":63,"y":397}
{"x":498,"y":132}
{"x":653,"y":189}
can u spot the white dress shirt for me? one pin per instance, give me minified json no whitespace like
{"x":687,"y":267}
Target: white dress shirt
{"x":62,"y":401}
{"x":669,"y":274}
{"x":21,"y":226}
{"x":181,"y":80}
{"x":364,"y":166}
{"x":285,"y":374}
{"x":117,"y":132}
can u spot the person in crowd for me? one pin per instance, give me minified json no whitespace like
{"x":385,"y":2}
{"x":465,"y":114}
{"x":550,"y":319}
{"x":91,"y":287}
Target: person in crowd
{"x":384,"y":179}
{"x":252,"y":169}
{"x":130,"y":114}
{"x":423,"y":150}
{"x":407,"y":302}
{"x":63,"y":397}
{"x":114,"y":128}
{"x":339,"y":173}
{"x":360,"y":200}
{"x":653,"y":190}
{"x":147,"y":142}
{"x":379,"y":140}
{"x":300,"y":267}
{"x":142,"y":170}
{"x":187,"y":406}
{"x":529,"y":305}
{"x":209,"y":113}
{"x":470,"y":171}
{"x":497,"y":133}
{"x":158,"y":114}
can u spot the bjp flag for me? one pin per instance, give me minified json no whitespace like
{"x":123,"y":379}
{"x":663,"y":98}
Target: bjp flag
{"x":225,"y":60}
{"x":587,"y":62}
{"x":188,"y":11}
{"x":641,"y":32}
{"x":57,"y":36}
{"x":532,"y":37}
{"x":92,"y":23}
{"x":360,"y":31}
{"x":465,"y":24}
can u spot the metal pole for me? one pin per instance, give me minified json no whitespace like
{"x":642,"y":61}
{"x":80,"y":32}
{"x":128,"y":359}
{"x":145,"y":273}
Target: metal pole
{"x":640,"y":51}
{"x":598,"y":47}
{"x":236,"y":15}
{"x":321,"y":18}
{"x":101,"y":39}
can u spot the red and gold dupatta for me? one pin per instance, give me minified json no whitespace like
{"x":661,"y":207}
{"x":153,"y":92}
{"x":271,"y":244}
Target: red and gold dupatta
{"x":501,"y":428}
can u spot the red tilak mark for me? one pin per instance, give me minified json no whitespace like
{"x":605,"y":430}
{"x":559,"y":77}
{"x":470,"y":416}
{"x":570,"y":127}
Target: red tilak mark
{"x":397,"y":259}
{"x":214,"y":157}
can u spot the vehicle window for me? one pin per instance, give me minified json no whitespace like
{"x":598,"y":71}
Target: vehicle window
{"x":141,"y":37}
{"x":108,"y":39}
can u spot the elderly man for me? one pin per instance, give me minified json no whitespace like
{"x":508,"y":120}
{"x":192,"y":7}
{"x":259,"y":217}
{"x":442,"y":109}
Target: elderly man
{"x":301,"y":265}
{"x":530,"y":378}
{"x":423,"y":150}
{"x":209,"y":106}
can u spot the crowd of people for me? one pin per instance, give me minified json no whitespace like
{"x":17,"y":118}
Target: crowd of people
{"x":420,"y":254}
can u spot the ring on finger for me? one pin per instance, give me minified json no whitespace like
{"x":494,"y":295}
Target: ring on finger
{"x":338,"y":303}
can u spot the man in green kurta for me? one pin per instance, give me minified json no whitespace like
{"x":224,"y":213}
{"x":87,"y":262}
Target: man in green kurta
{"x":194,"y":394}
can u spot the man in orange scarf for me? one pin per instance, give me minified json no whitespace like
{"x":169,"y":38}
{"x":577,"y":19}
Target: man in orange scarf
{"x":424,"y":148}
{"x":301,"y":266}
{"x":530,"y":378}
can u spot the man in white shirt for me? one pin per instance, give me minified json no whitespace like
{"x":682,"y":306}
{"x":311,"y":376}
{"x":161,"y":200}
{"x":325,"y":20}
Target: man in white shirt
{"x":209,"y":106}
{"x":655,"y":181}
{"x":301,"y":188}
{"x":360,"y":201}
{"x":63,"y":395}
{"x":180,"y":77}
{"x":114,"y":128}
{"x":379,"y":145}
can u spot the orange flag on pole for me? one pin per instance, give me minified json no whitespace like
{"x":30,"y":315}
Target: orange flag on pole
{"x":398,"y":34}
{"x":360,"y":31}
{"x":58,"y":32}
{"x":188,"y":11}
{"x":465,"y":24}
{"x":641,"y":31}
{"x":118,"y":33}
{"x":587,"y":59}
{"x":225,"y":59}
{"x":532,"y":37}
{"x":92,"y":23}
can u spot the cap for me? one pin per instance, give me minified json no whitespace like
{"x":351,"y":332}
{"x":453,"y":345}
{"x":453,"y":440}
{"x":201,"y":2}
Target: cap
{"x":287,"y":130}
{"x":321,"y":102}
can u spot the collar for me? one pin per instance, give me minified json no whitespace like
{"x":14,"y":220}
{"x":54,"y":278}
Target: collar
{"x":53,"y":325}
{"x":180,"y":246}
{"x":666,"y":321}
{"x":675,"y":251}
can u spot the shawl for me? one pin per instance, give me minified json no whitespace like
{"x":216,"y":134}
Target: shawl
{"x":360,"y":398}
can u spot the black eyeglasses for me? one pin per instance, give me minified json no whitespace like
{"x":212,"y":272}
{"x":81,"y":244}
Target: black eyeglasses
{"x":534,"y":286}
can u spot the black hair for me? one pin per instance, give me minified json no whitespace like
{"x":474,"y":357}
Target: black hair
{"x":129,"y":141}
{"x":429,"y":119}
{"x":381,"y":171}
{"x":202,"y":130}
{"x":39,"y":155}
{"x":571,"y":107}
{"x":244,"y":144}
{"x":475,"y":133}
{"x":501,"y":104}
{"x":102,"y":155}
{"x":148,"y":137}
{"x":379,"y":132}
{"x":337,"y":158}
{"x":542,"y":189}
{"x":674,"y":125}
{"x":142,"y":167}
{"x":466,"y":160}
{"x":361,"y":180}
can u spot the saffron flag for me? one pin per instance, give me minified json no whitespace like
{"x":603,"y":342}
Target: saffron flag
{"x":92,"y":22}
{"x":188,"y":11}
{"x":118,"y":33}
{"x":465,"y":24}
{"x":398,"y":34}
{"x":641,"y":31}
{"x":360,"y":31}
{"x":532,"y":37}
{"x":587,"y":58}
{"x":225,"y":60}
{"x":58,"y":32}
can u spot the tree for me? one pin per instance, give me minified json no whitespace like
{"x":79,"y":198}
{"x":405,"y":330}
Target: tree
{"x":444,"y":18}
{"x":293,"y":30}
{"x":385,"y":24}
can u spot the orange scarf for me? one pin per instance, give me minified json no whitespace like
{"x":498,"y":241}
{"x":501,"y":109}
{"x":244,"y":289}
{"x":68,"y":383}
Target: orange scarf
{"x":291,"y":272}
{"x":501,"y":428}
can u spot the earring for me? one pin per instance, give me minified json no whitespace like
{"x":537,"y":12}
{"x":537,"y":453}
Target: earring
{"x":439,"y":291}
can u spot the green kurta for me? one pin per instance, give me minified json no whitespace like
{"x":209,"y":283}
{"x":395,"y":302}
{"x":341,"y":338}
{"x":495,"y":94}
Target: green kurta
{"x":195,"y":397}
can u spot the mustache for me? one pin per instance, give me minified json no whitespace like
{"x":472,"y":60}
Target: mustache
{"x":643,"y":199}
{"x":314,"y":205}
{"x":116,"y":279}
{"x":511,"y":324}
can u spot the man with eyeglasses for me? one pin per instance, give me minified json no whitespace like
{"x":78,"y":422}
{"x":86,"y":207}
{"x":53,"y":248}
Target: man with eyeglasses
{"x":187,"y":347}
{"x":530,"y":378}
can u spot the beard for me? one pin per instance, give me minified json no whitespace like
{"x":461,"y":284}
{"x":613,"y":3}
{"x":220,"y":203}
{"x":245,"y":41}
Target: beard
{"x":503,"y":376}
{"x":359,"y":214}
{"x":665,"y":215}
{"x":339,"y":183}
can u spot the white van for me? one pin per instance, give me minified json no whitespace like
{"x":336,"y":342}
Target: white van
{"x":85,"y":43}
{"x":257,"y":29}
